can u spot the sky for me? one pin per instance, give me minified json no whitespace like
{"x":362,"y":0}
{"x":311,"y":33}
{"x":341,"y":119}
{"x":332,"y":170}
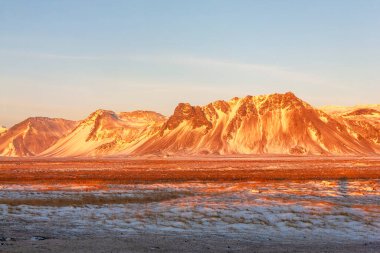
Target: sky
{"x":69,"y":58}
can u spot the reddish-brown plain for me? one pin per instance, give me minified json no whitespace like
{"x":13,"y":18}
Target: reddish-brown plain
{"x":94,"y":171}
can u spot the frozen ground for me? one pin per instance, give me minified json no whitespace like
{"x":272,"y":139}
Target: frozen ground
{"x":340,"y":209}
{"x":313,"y":205}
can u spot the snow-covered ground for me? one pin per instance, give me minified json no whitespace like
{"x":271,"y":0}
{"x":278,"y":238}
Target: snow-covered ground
{"x":336,"y":209}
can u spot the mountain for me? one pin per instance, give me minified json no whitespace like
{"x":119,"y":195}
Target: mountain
{"x":33,"y":135}
{"x":367,"y":113}
{"x":265,"y":124}
{"x":275,"y":124}
{"x":339,"y":110}
{"x":106,"y":132}
{"x":360,"y":119}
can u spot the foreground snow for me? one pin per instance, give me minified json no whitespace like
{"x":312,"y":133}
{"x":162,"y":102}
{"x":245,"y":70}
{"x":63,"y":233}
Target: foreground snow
{"x":320,"y":209}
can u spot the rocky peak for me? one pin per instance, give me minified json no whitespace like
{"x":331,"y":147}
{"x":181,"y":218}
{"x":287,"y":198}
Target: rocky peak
{"x":185,"y":112}
{"x":142,"y":115}
{"x":363,"y":111}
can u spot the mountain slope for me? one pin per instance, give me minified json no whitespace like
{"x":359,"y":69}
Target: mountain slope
{"x":363,"y":120}
{"x":362,"y":113}
{"x":276,"y":124}
{"x":340,"y":110}
{"x":266,"y":124}
{"x":33,"y":135}
{"x":106,"y":132}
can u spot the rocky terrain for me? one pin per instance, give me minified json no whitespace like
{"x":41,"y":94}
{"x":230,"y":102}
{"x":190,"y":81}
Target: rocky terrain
{"x":269,"y":124}
{"x":106,"y":132}
{"x":264,"y":124}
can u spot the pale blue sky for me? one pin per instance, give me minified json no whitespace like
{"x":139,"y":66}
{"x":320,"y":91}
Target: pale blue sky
{"x":69,"y":58}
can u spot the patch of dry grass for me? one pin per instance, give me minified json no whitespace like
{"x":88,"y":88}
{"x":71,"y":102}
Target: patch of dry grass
{"x":90,"y":199}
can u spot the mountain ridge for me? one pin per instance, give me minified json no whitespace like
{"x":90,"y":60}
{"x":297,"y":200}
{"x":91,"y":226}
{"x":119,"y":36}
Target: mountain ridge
{"x":104,"y":132}
{"x":279,"y":123}
{"x":254,"y":125}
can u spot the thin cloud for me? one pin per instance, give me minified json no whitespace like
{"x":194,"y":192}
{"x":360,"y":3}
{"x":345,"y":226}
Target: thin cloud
{"x":51,"y":56}
{"x":69,"y":57}
{"x":282,"y":73}
{"x":199,"y":62}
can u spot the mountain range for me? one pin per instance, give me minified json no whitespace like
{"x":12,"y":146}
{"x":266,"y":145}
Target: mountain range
{"x":264,"y":124}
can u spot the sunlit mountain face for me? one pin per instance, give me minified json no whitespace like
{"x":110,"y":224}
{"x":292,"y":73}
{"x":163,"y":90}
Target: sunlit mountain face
{"x":268,"y":124}
{"x":264,"y":124}
{"x":106,"y":133}
{"x":33,"y":135}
